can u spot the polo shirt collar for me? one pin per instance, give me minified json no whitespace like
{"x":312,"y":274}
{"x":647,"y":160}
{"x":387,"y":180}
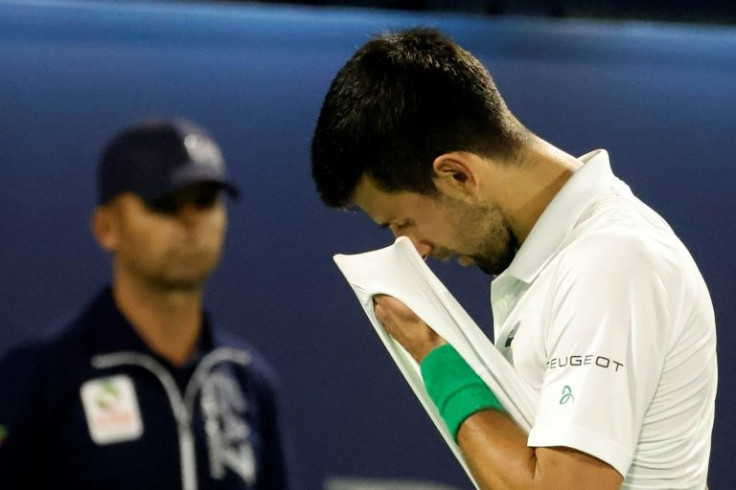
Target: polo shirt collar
{"x":561,"y":215}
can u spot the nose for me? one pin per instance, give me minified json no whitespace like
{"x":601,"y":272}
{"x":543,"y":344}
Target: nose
{"x":189,"y":214}
{"x":423,"y":248}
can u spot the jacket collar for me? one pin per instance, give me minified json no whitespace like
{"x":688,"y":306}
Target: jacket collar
{"x":108,"y":330}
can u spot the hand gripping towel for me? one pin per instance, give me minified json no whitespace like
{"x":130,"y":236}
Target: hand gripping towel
{"x":399,"y":271}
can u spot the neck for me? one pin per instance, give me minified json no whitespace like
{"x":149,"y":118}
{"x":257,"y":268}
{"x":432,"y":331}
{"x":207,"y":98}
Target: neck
{"x":526,"y":187}
{"x":168,"y":321}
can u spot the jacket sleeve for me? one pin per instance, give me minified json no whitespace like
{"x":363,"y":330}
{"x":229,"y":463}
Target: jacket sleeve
{"x":22,"y":418}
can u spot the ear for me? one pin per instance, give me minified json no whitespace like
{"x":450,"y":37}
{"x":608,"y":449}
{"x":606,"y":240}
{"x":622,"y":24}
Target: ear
{"x":457,"y":174}
{"x":105,"y":228}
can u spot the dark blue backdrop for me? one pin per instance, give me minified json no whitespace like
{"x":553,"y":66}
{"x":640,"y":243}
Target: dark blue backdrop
{"x":659,"y":98}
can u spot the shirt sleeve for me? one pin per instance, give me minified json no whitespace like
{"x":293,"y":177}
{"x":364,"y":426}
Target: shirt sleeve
{"x":606,"y":340}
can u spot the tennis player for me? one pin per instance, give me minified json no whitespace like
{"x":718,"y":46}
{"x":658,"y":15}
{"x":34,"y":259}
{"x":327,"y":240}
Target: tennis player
{"x":596,"y":302}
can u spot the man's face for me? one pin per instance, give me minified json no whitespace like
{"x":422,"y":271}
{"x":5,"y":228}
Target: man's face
{"x":172,"y":243}
{"x":441,"y":227}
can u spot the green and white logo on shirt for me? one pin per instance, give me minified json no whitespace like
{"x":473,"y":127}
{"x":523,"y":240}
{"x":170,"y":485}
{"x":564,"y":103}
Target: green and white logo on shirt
{"x":111,"y":409}
{"x":567,"y":395}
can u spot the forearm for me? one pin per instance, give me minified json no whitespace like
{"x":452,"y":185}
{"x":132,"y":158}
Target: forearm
{"x":496,"y":452}
{"x":494,"y":446}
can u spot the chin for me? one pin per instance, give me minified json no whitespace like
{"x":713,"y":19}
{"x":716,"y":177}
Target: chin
{"x":496,"y":266}
{"x":185,"y":280}
{"x":491,"y":271}
{"x":181,"y":284}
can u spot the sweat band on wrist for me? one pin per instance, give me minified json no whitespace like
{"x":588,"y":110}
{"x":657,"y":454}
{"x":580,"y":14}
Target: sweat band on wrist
{"x":454,"y":387}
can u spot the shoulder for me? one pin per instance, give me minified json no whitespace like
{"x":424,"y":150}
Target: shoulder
{"x":615,"y":271}
{"x":26,"y":372}
{"x":620,"y":273}
{"x":623,"y":238}
{"x":39,"y":349}
{"x":21,"y":362}
{"x":62,"y":343}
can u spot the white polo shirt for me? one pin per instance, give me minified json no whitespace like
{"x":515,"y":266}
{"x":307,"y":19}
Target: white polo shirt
{"x":604,"y":311}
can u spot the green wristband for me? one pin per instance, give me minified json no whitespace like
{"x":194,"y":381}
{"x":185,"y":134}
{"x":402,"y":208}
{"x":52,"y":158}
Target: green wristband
{"x":454,"y":387}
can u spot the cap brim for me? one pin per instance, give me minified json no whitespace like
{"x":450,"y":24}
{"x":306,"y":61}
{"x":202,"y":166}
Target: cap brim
{"x":232,"y":190}
{"x":195,"y":174}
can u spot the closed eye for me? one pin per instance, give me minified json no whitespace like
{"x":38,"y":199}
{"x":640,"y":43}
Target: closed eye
{"x":398,"y":228}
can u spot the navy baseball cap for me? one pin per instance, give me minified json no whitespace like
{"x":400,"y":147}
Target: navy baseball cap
{"x":158,"y":156}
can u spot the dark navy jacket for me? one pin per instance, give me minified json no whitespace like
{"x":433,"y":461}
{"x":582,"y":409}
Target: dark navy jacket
{"x":95,"y":408}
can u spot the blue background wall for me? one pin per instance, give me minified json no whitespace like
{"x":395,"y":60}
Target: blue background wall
{"x":660,"y":98}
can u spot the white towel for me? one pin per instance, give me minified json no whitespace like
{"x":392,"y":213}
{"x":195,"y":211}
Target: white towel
{"x":399,"y":271}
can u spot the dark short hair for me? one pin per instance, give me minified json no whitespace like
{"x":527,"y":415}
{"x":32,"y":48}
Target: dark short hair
{"x":401,"y":101}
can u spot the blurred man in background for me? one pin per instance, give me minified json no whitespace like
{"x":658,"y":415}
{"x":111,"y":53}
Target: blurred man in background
{"x":142,"y":390}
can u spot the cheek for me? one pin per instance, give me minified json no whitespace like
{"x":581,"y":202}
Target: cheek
{"x":146,"y":234}
{"x":439,"y":228}
{"x":220,"y":220}
{"x":475,"y":229}
{"x":217,"y":226}
{"x":149,"y":241}
{"x":455,"y":227}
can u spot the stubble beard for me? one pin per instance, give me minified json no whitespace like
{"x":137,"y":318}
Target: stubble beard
{"x":173,"y":278}
{"x":498,"y":248}
{"x":184,"y":285}
{"x":191,"y":281}
{"x":496,"y":261}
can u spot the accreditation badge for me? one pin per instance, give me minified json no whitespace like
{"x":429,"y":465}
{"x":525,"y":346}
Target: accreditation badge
{"x":111,"y":408}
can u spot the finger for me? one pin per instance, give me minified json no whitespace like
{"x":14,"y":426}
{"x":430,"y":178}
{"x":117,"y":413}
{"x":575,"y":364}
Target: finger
{"x":384,"y":308}
{"x":397,"y":308}
{"x":380,"y":312}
